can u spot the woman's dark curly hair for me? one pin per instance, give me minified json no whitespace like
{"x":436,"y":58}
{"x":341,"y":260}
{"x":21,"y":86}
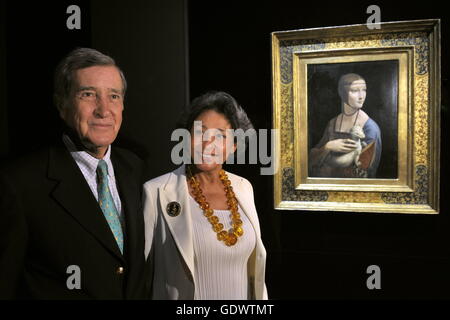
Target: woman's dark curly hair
{"x":222,"y":103}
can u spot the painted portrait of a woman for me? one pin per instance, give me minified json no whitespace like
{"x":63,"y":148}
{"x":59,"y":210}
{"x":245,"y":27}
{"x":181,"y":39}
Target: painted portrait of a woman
{"x":350,"y":146}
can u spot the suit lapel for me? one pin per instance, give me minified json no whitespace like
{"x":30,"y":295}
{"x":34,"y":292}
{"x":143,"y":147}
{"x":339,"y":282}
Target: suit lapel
{"x":129,"y":197}
{"x":74,"y":195}
{"x":175,"y":190}
{"x":129,"y":191}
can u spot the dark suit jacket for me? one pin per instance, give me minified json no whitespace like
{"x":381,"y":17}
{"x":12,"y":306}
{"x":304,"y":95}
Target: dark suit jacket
{"x":50,"y":220}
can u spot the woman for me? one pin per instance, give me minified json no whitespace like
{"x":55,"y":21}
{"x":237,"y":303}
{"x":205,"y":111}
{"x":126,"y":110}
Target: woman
{"x":337,"y":140}
{"x":201,"y":223}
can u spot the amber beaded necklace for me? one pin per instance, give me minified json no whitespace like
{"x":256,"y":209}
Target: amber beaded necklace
{"x":231,"y":236}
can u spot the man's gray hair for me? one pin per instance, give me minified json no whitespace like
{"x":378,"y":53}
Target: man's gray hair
{"x":79,"y":59}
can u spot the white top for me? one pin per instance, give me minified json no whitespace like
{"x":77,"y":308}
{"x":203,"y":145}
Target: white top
{"x":88,"y":167}
{"x":220,"y":271}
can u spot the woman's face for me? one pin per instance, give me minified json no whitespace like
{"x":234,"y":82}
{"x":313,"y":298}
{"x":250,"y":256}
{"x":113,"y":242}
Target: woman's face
{"x":211,"y":140}
{"x":357,"y":94}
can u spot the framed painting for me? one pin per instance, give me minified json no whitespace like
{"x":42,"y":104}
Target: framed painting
{"x":358,"y":116}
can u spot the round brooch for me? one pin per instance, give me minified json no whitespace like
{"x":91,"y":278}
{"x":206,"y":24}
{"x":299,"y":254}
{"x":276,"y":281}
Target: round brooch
{"x":173,"y":209}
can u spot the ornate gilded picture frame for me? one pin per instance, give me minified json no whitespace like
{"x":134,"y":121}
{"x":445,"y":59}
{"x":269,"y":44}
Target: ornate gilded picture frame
{"x":358,"y":114}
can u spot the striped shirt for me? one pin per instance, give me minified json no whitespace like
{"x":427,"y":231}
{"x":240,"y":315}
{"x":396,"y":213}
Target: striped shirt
{"x":88,"y":166}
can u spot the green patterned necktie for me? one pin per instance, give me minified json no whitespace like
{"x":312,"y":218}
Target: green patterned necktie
{"x":105,"y":200}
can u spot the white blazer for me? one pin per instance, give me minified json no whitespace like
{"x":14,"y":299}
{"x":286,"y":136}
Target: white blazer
{"x":172,"y":239}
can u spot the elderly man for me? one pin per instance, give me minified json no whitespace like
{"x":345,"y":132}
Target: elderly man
{"x":71,"y":220}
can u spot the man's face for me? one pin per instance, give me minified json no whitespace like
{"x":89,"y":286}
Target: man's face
{"x":94,"y":109}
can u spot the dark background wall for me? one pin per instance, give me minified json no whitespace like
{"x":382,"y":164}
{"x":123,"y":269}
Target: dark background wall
{"x":36,"y":39}
{"x":172,"y":50}
{"x":149,"y":40}
{"x":3,"y":113}
{"x":320,"y":254}
{"x":146,"y":38}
